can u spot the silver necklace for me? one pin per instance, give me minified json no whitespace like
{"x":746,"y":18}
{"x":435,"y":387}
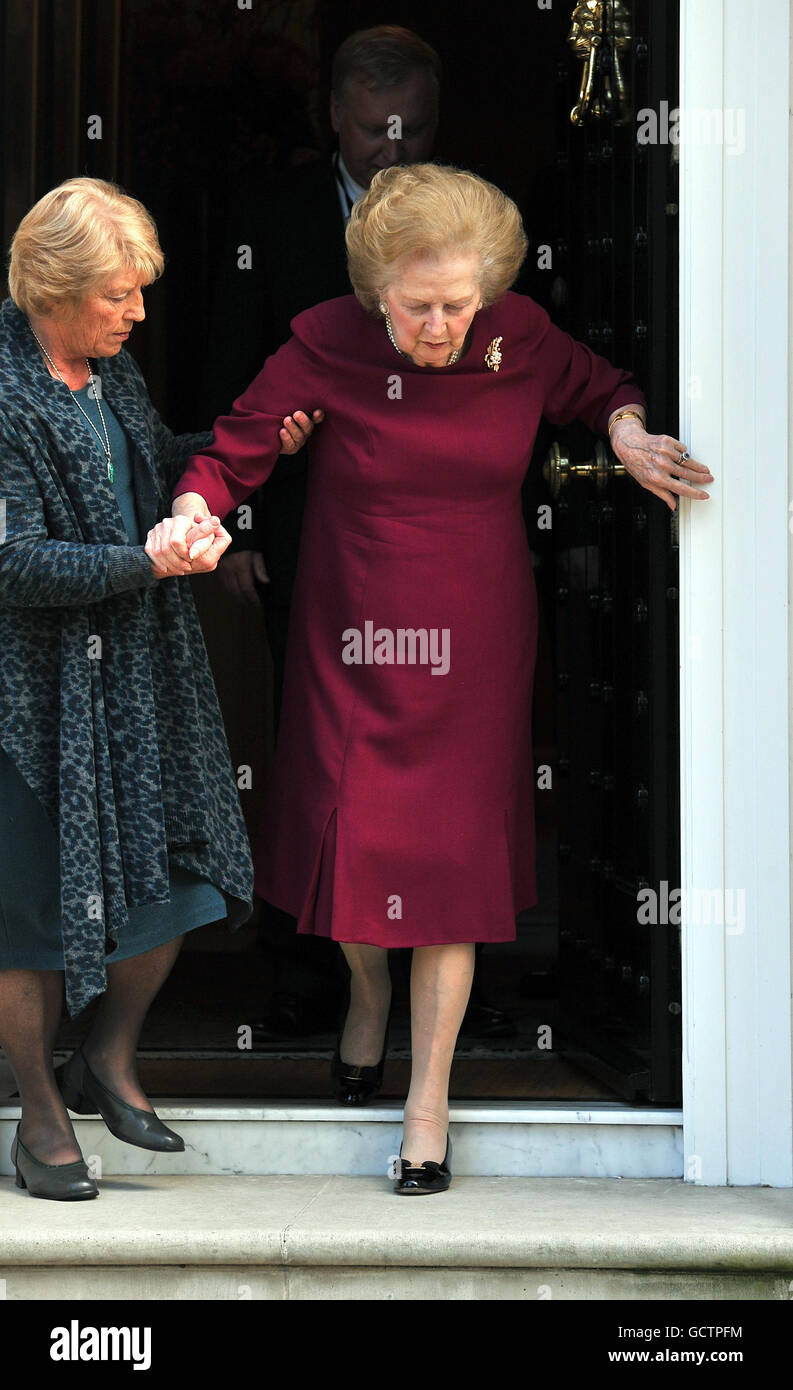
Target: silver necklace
{"x":387,"y":316}
{"x":104,"y":444}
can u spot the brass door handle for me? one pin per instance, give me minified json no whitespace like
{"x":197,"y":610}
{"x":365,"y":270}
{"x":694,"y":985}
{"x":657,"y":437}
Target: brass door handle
{"x":557,"y":469}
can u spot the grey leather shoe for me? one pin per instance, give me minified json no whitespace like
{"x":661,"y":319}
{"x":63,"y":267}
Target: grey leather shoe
{"x":84,"y":1094}
{"x":63,"y":1182}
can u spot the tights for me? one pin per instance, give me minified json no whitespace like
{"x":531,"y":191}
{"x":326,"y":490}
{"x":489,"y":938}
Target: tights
{"x":440,"y":984}
{"x":30,"y":1014}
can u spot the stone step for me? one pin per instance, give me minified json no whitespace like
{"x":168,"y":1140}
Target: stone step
{"x":600,"y":1139}
{"x":301,"y":1237}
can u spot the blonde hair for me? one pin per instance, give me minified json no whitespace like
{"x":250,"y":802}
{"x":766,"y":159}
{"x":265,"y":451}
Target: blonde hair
{"x":74,"y":239}
{"x":426,"y":210}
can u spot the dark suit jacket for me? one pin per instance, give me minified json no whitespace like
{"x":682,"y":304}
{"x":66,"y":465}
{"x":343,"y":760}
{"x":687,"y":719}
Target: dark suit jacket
{"x":295,"y":231}
{"x":296,"y":234}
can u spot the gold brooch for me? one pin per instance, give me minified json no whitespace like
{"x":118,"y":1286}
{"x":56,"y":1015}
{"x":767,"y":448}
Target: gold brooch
{"x":493,"y":355}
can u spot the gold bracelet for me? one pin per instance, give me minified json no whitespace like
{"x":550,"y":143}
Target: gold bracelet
{"x":622,"y":414}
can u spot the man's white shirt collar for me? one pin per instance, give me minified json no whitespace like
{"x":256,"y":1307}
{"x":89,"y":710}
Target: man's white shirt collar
{"x":353,"y":190}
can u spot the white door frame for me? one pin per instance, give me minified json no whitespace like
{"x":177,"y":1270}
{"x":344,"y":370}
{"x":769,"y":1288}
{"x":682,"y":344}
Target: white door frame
{"x":735,"y":313}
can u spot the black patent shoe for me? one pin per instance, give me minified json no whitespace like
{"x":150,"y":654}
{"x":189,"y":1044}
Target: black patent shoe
{"x":354,"y":1085}
{"x":84,"y":1094}
{"x":429,"y":1177}
{"x":62,"y":1182}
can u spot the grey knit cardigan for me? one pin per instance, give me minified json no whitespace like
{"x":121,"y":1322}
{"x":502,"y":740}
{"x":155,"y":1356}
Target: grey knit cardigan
{"x":107,"y":705}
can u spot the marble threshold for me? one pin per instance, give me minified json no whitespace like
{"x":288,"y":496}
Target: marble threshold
{"x":490,"y":1139}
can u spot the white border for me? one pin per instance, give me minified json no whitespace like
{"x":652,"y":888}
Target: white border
{"x":735,"y":642}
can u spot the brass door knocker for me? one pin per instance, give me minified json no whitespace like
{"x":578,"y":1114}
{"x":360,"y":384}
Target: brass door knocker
{"x":600,"y":35}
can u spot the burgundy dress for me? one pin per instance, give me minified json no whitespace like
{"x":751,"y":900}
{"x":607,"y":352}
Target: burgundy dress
{"x":400,"y":811}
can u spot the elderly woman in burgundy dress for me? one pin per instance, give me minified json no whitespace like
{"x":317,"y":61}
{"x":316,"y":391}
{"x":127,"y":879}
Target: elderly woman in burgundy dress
{"x":398,"y":816}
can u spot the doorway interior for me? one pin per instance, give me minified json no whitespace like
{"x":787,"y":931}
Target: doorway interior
{"x":585,"y":1004}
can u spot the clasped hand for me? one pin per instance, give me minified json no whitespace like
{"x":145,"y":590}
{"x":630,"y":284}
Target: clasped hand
{"x":178,"y":545}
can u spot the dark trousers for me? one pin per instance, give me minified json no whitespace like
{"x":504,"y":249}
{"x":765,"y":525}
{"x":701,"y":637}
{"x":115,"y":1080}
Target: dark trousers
{"x":306,"y":966}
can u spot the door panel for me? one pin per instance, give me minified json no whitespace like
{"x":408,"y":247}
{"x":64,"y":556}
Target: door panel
{"x":610,"y":216}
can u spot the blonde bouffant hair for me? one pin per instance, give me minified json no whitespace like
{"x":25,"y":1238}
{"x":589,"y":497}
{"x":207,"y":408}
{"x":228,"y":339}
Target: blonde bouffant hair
{"x":418,"y":210}
{"x":76,"y":238}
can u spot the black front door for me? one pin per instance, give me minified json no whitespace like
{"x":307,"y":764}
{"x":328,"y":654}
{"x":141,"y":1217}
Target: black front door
{"x":587,"y":1004}
{"x":607,"y":212}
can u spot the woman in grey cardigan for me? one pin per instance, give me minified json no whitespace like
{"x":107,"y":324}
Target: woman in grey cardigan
{"x":120,"y":822}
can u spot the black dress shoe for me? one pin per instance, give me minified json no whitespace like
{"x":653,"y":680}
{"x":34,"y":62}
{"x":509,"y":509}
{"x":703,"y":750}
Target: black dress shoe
{"x":354,"y":1085}
{"x":63,"y":1182}
{"x":84,"y":1093}
{"x":429,"y":1177}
